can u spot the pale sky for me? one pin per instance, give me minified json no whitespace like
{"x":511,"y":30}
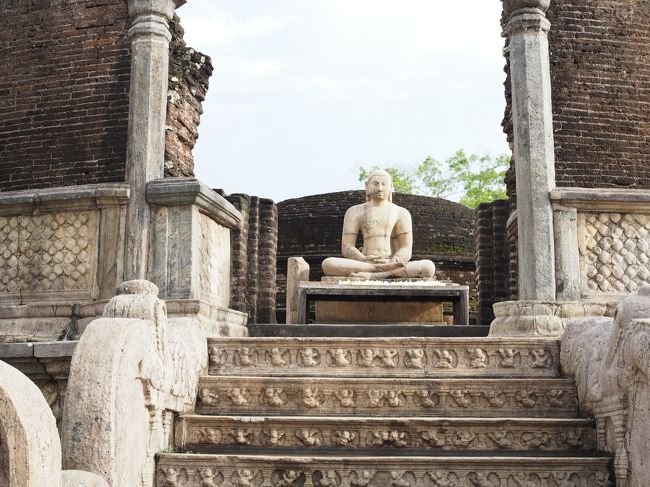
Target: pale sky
{"x":305,"y":91}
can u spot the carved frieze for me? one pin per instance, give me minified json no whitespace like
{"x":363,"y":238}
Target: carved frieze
{"x":47,"y":252}
{"x":614,"y":252}
{"x":461,"y":397}
{"x":418,"y":358}
{"x":172,"y":471}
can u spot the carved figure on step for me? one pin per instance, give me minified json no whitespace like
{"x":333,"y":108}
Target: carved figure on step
{"x":363,"y":479}
{"x":387,"y":237}
{"x":309,"y":357}
{"x":345,"y":397}
{"x":309,"y":398}
{"x":245,"y":478}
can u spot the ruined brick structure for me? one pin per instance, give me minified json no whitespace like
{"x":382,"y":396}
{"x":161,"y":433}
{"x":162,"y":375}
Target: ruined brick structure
{"x":311,"y":227}
{"x":189,"y":74}
{"x":254,"y":248}
{"x":600,"y":75}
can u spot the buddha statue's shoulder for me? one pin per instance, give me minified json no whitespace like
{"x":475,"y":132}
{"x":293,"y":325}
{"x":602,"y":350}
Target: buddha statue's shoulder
{"x":401,"y":211}
{"x":356,"y":210}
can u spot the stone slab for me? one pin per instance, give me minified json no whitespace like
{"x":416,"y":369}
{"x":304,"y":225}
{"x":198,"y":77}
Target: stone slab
{"x":365,"y":330}
{"x":379,"y":312}
{"x":55,"y":349}
{"x":377,"y":471}
{"x":310,"y":396}
{"x":185,"y":191}
{"x":319,"y":291}
{"x":386,"y":357}
{"x":352,"y":435}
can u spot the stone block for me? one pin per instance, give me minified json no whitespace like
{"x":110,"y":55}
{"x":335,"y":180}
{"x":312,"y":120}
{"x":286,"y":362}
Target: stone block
{"x":191,"y":255}
{"x":371,"y":293}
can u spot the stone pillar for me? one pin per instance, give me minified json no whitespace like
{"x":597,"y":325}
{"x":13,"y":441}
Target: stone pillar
{"x":145,"y":154}
{"x":527,"y":30}
{"x":567,"y":258}
{"x":537,"y":312}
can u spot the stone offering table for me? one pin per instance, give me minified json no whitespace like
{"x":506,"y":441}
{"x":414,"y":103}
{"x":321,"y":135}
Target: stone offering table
{"x":398,"y":294}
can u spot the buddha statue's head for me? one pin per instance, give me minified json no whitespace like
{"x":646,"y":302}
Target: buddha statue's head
{"x":379,"y":185}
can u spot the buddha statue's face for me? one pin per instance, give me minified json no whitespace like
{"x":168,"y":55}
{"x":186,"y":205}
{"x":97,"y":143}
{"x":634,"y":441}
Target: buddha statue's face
{"x":379,"y":186}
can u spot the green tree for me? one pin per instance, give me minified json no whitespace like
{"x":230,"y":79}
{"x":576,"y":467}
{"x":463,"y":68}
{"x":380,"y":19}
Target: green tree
{"x":474,"y":179}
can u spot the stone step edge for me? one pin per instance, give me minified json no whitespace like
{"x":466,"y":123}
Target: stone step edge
{"x":261,"y":418}
{"x":236,"y":459}
{"x":391,"y":340}
{"x":195,"y":470}
{"x":543,"y":381}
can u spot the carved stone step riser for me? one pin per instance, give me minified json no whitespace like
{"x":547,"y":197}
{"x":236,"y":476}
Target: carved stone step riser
{"x":346,"y":436}
{"x":266,"y":396}
{"x":236,"y":471}
{"x":396,"y":357}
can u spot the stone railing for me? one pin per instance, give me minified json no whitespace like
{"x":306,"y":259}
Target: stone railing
{"x":610,"y":360}
{"x":602,"y":241}
{"x":58,"y":253}
{"x":62,"y":256}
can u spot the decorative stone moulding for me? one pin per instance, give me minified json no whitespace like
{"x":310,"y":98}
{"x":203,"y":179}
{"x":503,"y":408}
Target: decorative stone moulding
{"x":375,"y":471}
{"x":538,"y":318}
{"x":513,"y":6}
{"x":190,"y":255}
{"x":202,"y":433}
{"x":60,"y":254}
{"x":359,"y":357}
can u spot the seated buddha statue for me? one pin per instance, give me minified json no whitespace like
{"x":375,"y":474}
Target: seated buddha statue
{"x":387,"y":238}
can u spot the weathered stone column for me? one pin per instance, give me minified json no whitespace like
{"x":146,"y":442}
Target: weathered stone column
{"x":147,"y":110}
{"x":532,"y":115}
{"x":536,"y":312}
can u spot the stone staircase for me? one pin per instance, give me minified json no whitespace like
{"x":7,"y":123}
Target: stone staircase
{"x":384,"y":412}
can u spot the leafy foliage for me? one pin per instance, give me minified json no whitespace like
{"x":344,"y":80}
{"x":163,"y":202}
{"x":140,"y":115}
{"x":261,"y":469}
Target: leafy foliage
{"x":477,"y":179}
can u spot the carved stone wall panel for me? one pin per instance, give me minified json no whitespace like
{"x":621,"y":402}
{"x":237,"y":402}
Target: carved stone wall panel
{"x":231,"y":395}
{"x":213,"y":264}
{"x":210,"y":434}
{"x":614,"y":252}
{"x":48,"y":254}
{"x":419,"y":357}
{"x":200,"y":470}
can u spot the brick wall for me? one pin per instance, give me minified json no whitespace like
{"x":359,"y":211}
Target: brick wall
{"x":600,"y":75}
{"x":64,"y":84}
{"x":310,"y":227}
{"x":189,"y":75}
{"x":600,"y":71}
{"x":254,"y":248}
